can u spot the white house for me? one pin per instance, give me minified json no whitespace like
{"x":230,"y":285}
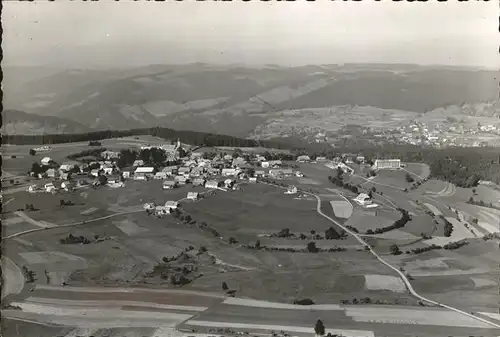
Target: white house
{"x":171,"y":204}
{"x":275,"y":163}
{"x":192,"y":195}
{"x":148,"y":206}
{"x":32,"y":188}
{"x":169,"y":184}
{"x":226,"y":172}
{"x":198,"y":182}
{"x":212,"y":184}
{"x":66,"y":185}
{"x":161,"y":210}
{"x":299,"y":174}
{"x":345,"y":168}
{"x":252,"y":180}
{"x":160,"y":175}
{"x":64,"y":176}
{"x":182,"y":180}
{"x":138,"y":163}
{"x":264,"y":164}
{"x":229,"y":182}
{"x":170,"y":170}
{"x":228,"y":157}
{"x":363,"y":199}
{"x":108,"y":170}
{"x":145,"y":170}
{"x":110,"y":154}
{"x":320,"y":159}
{"x":291,"y":190}
{"x":66,"y":167}
{"x":184,"y":170}
{"x":51,"y":173}
{"x":259,"y":173}
{"x":143,"y":173}
{"x":126,"y":174}
{"x":94,"y":173}
{"x":45,"y":160}
{"x":49,"y":187}
{"x":303,"y":159}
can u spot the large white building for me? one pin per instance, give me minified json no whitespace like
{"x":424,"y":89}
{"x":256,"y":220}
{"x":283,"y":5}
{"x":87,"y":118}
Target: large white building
{"x":387,"y":164}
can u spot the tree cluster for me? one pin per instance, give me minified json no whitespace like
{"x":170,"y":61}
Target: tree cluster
{"x":71,"y":239}
{"x":448,"y":227}
{"x":87,"y":153}
{"x":400,"y":223}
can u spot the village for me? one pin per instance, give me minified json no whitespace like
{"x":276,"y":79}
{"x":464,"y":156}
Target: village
{"x":223,"y":172}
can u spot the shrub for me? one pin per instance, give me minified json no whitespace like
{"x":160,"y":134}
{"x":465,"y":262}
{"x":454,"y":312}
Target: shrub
{"x":304,"y":301}
{"x":311,"y":247}
{"x":394,"y":249}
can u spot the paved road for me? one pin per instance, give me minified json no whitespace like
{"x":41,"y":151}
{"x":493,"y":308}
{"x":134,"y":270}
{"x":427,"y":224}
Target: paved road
{"x":12,"y":277}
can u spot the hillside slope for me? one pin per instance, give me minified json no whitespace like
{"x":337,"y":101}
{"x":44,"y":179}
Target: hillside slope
{"x":20,"y":122}
{"x":240,"y":101}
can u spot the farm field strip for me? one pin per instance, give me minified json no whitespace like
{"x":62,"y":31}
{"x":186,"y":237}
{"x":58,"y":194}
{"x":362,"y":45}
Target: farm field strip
{"x":274,"y":305}
{"x":127,"y":290}
{"x":98,"y":312}
{"x":493,"y":315}
{"x":101,"y":319}
{"x":450,"y":272}
{"x":111,"y":304}
{"x":415,"y":316}
{"x":299,"y":329}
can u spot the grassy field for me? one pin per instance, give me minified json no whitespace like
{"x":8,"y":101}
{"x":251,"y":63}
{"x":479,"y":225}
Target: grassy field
{"x":257,"y":209}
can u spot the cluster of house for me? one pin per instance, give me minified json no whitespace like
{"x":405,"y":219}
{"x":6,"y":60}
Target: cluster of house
{"x":65,"y":170}
{"x":205,"y":172}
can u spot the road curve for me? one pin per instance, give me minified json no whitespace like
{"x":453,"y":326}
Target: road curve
{"x":399,"y":272}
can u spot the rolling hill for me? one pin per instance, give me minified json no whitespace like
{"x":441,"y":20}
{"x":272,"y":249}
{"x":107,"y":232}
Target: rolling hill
{"x":240,"y":101}
{"x":20,"y":122}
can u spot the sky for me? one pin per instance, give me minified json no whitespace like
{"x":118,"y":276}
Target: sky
{"x":77,"y":34}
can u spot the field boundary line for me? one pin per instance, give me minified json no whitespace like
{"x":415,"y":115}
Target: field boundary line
{"x":399,"y":272}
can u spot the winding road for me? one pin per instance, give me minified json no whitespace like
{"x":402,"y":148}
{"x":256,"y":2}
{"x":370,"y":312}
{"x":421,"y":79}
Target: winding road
{"x":399,"y":272}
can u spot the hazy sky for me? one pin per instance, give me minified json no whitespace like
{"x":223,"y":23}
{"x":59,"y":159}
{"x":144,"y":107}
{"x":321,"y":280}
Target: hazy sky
{"x":108,"y":33}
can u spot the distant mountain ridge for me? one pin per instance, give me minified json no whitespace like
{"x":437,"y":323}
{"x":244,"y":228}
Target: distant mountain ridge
{"x":20,"y":122}
{"x":237,"y":100}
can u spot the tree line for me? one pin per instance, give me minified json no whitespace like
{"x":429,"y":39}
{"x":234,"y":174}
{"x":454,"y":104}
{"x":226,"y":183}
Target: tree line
{"x":191,"y":137}
{"x":463,"y":167}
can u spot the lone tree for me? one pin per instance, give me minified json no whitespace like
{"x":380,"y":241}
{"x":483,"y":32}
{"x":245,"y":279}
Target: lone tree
{"x":32,"y":152}
{"x":319,"y":328}
{"x":224,"y":286}
{"x":395,"y":250}
{"x":409,"y":178}
{"x":311,"y":247}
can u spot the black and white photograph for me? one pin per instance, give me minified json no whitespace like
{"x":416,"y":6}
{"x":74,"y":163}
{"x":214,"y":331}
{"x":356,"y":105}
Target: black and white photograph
{"x":250,"y":168}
